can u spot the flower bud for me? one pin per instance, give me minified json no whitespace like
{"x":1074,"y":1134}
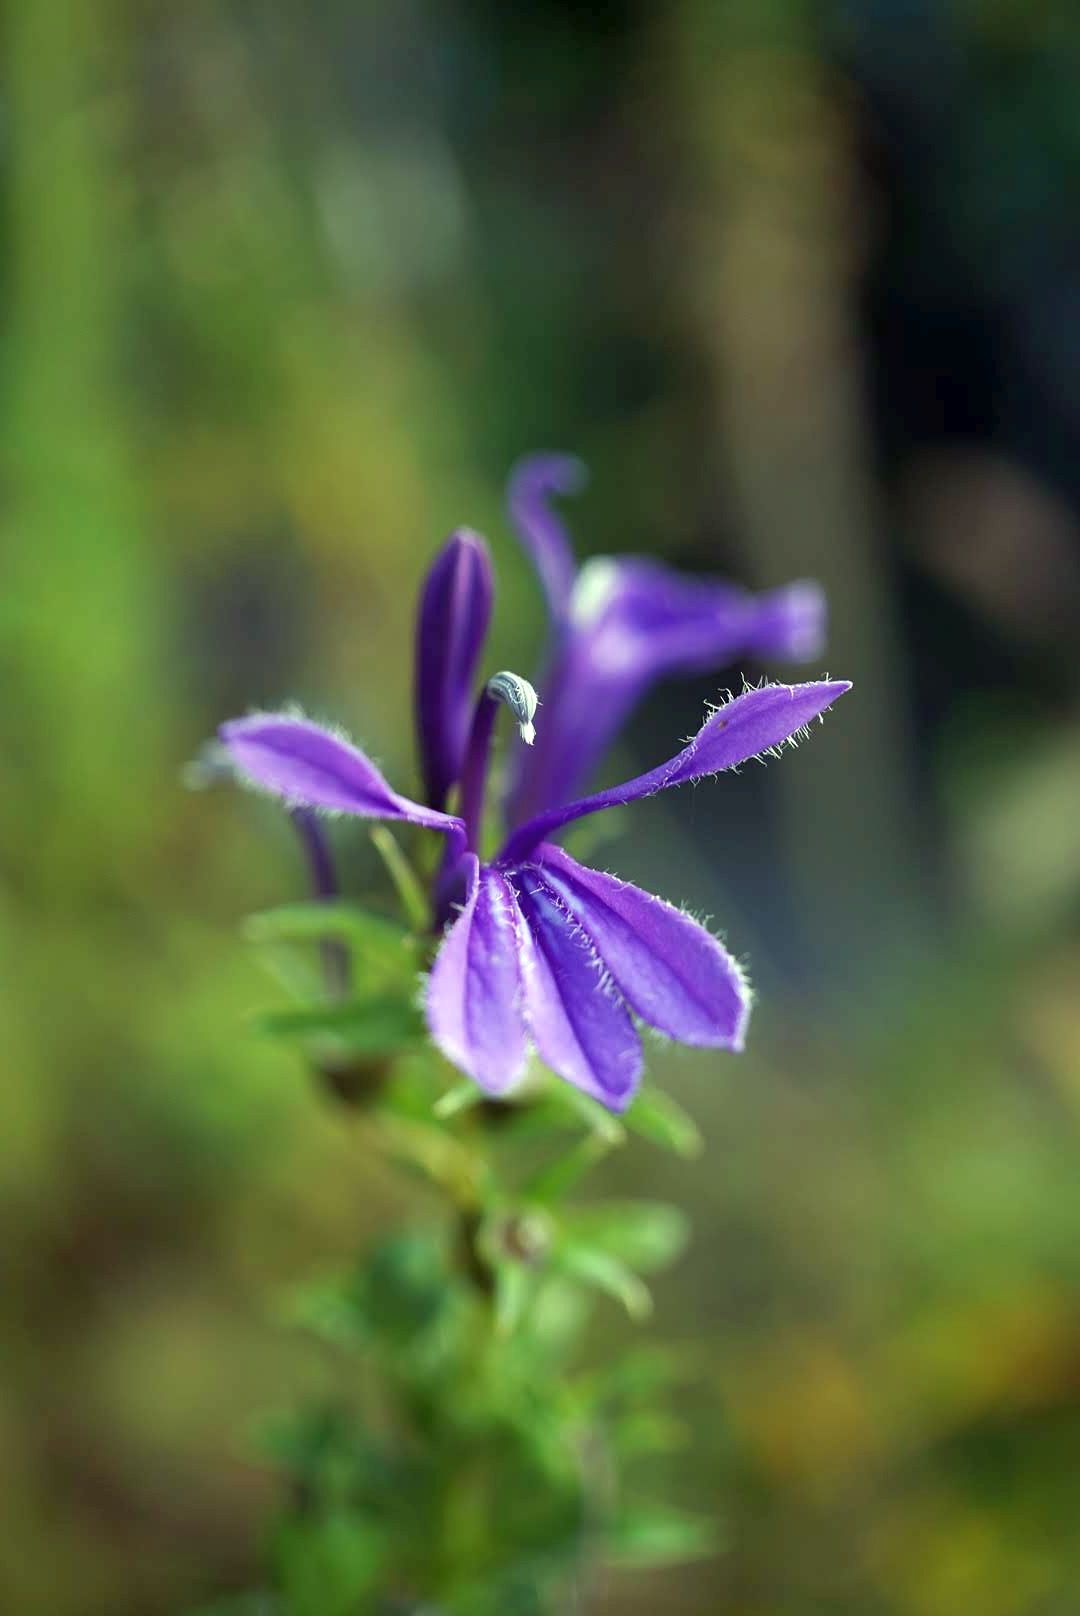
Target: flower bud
{"x":455,"y":607}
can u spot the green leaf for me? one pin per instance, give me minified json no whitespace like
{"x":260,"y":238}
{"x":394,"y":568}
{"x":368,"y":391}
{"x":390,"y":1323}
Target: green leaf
{"x":602,"y":1272}
{"x":310,"y":922}
{"x":552,"y":1181}
{"x":660,"y":1119}
{"x":462,"y":1097}
{"x":597,"y":1118}
{"x":327,"y":1565}
{"x":382,"y":952}
{"x":658,"y":1537}
{"x":550,"y":1106}
{"x":646,"y":1235}
{"x":404,"y":1291}
{"x":514,"y":1285}
{"x":376,"y":1026}
{"x":326,"y":1308}
{"x":434,"y":1153}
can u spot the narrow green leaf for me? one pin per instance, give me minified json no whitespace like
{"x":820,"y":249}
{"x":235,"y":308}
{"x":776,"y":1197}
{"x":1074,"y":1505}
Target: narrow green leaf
{"x":435,"y":1153}
{"x":362,"y":1026}
{"x":646,"y":1235}
{"x":606,"y":1273}
{"x":304,"y":922}
{"x":597,"y":1117}
{"x":514,"y":1285}
{"x":382,"y":954}
{"x":551,"y":1182}
{"x":660,"y":1119}
{"x":462,"y":1097}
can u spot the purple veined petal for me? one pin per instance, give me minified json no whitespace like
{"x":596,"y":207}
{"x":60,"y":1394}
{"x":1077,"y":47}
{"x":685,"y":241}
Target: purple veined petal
{"x":632,"y":622}
{"x":473,"y":997}
{"x":578,"y":1023}
{"x":452,"y":622}
{"x":312,"y":767}
{"x":529,"y":490}
{"x":743,"y":728}
{"x":671,"y":971}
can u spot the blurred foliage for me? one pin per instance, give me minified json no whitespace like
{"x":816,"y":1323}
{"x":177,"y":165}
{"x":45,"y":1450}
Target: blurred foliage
{"x":284,"y":292}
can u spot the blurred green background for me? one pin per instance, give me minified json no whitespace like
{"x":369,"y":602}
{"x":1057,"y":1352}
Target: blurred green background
{"x":285,"y":290}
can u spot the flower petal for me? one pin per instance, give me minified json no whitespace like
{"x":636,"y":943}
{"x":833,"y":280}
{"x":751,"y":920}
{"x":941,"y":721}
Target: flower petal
{"x":473,"y":998}
{"x":531,"y":484}
{"x":452,"y":622}
{"x":670,"y":970}
{"x":640,"y":613}
{"x":578,"y":1023}
{"x":745,"y":727}
{"x":633,"y":622}
{"x":789,"y":623}
{"x":312,"y":767}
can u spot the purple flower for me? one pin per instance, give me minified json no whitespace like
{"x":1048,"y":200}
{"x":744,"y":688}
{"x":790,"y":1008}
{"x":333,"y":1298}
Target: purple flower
{"x":619,"y":625}
{"x":541,"y":950}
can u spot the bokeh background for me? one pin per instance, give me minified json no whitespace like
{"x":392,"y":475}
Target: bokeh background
{"x":285,"y":289}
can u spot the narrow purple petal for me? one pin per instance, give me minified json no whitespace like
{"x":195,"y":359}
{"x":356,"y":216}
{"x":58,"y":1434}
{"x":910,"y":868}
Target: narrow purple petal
{"x":632,"y":622}
{"x":452,"y":622}
{"x":532,"y":483}
{"x":745,"y":727}
{"x":312,"y":767}
{"x":790,"y":623}
{"x":670,"y":970}
{"x":578,"y":1023}
{"x":473,"y":999}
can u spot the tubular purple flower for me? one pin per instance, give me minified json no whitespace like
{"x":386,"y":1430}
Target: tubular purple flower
{"x":619,"y":627}
{"x":539,"y":951}
{"x":455,"y":608}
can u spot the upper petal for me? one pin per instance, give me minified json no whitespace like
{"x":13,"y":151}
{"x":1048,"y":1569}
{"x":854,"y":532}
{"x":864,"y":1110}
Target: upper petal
{"x":531,"y":484}
{"x":790,"y":622}
{"x":453,"y":617}
{"x":313,"y":767}
{"x":743,"y":728}
{"x":473,"y":998}
{"x":578,"y":1022}
{"x":670,"y":970}
{"x":642,"y":615}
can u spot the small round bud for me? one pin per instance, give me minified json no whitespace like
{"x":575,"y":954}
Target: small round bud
{"x":517,"y":694}
{"x":526,"y":1236}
